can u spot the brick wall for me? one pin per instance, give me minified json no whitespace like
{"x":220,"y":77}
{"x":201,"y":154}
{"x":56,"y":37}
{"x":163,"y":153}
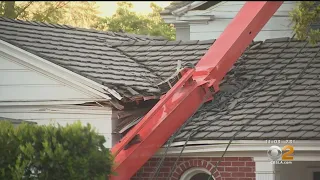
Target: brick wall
{"x":231,"y":168}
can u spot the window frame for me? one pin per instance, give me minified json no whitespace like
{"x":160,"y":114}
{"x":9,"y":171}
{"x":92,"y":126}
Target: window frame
{"x":311,"y":170}
{"x":187,"y":175}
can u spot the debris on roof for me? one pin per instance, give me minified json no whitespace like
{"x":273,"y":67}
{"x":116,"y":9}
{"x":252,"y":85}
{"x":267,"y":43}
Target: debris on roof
{"x":174,"y":5}
{"x":274,"y":86}
{"x":275,"y":89}
{"x":118,"y":61}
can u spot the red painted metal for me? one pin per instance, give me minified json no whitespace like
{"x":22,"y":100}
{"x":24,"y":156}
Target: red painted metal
{"x":190,"y":92}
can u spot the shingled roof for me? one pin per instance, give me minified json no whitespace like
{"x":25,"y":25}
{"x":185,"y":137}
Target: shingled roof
{"x":86,"y":52}
{"x":123,"y":62}
{"x":174,"y":5}
{"x":273,"y":92}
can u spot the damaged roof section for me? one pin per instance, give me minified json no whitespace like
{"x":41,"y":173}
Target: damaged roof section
{"x":174,"y":5}
{"x":85,"y":52}
{"x":162,"y":57}
{"x":132,"y":65}
{"x":271,"y":93}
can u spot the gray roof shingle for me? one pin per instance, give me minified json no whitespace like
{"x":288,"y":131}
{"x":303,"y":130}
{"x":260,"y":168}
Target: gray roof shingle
{"x":278,"y":96}
{"x":274,"y":86}
{"x":116,"y":60}
{"x":86,"y":52}
{"x":174,"y":5}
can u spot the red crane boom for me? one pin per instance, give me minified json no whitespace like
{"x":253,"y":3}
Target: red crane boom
{"x":185,"y":97}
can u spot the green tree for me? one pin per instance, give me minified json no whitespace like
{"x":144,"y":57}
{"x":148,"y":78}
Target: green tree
{"x":53,"y":152}
{"x":74,"y":13}
{"x":131,"y":22}
{"x":303,"y":16}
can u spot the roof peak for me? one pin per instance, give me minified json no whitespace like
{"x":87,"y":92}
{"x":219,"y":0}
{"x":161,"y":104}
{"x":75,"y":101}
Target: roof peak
{"x":68,"y":27}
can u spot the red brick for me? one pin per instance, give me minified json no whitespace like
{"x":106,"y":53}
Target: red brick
{"x":214,"y":159}
{"x":231,"y":178}
{"x":179,"y":170}
{"x":209,"y":167}
{"x":184,"y":166}
{"x":220,"y":169}
{"x":175,"y":174}
{"x":168,"y":163}
{"x":238,"y":174}
{"x":245,"y":159}
{"x":204,"y":158}
{"x":151,"y":163}
{"x":238,"y":163}
{"x":165,"y":169}
{"x":250,"y":175}
{"x":199,"y":162}
{"x":231,"y":169}
{"x":225,"y":164}
{"x":245,"y":179}
{"x":225,"y":174}
{"x":149,"y":169}
{"x":216,"y":173}
{"x":204,"y":164}
{"x":245,"y":169}
{"x":231,"y":159}
{"x":250,"y":163}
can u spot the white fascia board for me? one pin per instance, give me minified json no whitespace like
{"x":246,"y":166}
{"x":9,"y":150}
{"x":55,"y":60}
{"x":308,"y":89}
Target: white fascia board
{"x":196,"y":19}
{"x":170,"y":19}
{"x":51,"y":102}
{"x":188,"y":7}
{"x":239,"y":146}
{"x":68,"y":77}
{"x":97,"y":110}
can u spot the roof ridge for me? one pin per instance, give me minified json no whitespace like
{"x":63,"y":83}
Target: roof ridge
{"x":165,"y":42}
{"x":64,"y":26}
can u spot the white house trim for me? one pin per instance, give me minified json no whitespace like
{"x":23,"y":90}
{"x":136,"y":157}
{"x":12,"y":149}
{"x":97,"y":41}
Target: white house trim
{"x":255,"y":142}
{"x":246,"y":148}
{"x":58,"y":102}
{"x":63,"y":75}
{"x":265,"y":170}
{"x":193,"y":171}
{"x":187,"y":7}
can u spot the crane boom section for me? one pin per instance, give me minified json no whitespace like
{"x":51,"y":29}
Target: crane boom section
{"x":195,"y":87}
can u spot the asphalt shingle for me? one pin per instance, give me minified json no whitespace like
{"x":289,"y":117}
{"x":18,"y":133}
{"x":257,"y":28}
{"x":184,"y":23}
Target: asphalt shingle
{"x":284,"y":100}
{"x":271,"y":92}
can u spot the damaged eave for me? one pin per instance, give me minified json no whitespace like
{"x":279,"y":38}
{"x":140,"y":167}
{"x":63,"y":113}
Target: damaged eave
{"x":198,"y":18}
{"x":44,"y":66}
{"x":184,"y":9}
{"x":170,"y":19}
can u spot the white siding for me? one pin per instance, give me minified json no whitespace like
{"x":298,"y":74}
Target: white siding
{"x":278,"y":26}
{"x":20,"y":83}
{"x":98,"y":117}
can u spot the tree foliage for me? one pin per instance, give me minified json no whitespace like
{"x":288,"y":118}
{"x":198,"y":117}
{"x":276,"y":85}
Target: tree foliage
{"x":125,"y":19}
{"x":50,"y":152}
{"x":304,"y":15}
{"x":74,"y":13}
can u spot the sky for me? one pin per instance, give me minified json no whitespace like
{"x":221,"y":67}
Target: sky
{"x":108,"y":8}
